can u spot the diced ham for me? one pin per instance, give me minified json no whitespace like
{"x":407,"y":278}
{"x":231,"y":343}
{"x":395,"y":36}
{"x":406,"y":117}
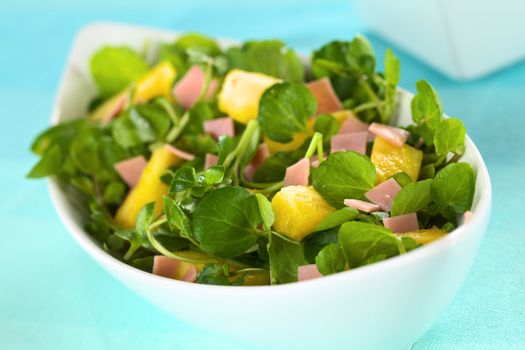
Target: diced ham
{"x":349,"y":142}
{"x":361,"y":205}
{"x":210,"y":160}
{"x":115,"y":108}
{"x":308,"y":272}
{"x":298,"y":173}
{"x":187,"y":90}
{"x":327,"y":100}
{"x":467,"y":216}
{"x":402,"y":223}
{"x":384,"y":194}
{"x":171,"y":268}
{"x":257,"y":161}
{"x":219,"y":127}
{"x":393,"y":135}
{"x":131,"y":169}
{"x":179,"y":153}
{"x":314,"y":160}
{"x":353,"y":124}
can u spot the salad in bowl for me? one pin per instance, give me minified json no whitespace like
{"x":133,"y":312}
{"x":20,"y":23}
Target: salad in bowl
{"x":246,"y":166}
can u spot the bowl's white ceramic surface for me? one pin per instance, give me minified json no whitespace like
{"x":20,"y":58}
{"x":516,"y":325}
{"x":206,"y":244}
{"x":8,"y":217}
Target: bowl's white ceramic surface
{"x":387,"y":305}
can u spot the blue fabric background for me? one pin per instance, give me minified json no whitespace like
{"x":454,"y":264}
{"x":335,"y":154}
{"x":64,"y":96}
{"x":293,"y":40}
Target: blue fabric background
{"x":53,"y":296}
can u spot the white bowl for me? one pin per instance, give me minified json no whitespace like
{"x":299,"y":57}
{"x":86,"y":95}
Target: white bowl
{"x":385,"y":305}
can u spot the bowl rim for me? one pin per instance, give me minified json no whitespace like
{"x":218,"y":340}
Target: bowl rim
{"x":58,"y":198}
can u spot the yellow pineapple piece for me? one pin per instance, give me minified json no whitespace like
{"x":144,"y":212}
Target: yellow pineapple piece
{"x":424,"y":236}
{"x":390,"y":160}
{"x":298,"y":210}
{"x":157,"y":82}
{"x":150,"y":188}
{"x":241,"y":92}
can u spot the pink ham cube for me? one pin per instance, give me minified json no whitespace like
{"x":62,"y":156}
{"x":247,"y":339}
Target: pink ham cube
{"x":349,"y":142}
{"x":131,"y":169}
{"x":298,"y":173}
{"x":167,"y":267}
{"x":384,"y":194}
{"x":179,"y":153}
{"x":219,"y":127}
{"x":327,"y":100}
{"x":308,"y":272}
{"x":353,"y":124}
{"x":188,"y":89}
{"x":361,"y":205}
{"x":402,"y":223}
{"x":393,"y":135}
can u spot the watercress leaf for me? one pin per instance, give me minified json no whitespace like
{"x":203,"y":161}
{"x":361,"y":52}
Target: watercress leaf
{"x":450,"y":137}
{"x":198,"y":145}
{"x":285,"y":258}
{"x":177,"y":220}
{"x":327,"y":125}
{"x":318,"y":240}
{"x":344,"y":175}
{"x":409,"y":243}
{"x":360,"y":56}
{"x":392,"y":74}
{"x":226,"y":145}
{"x":145,"y":218}
{"x":198,"y":42}
{"x":270,"y":57}
{"x":284,"y":109}
{"x":124,"y":132}
{"x":362,"y":241}
{"x":266,"y":211}
{"x":336,"y":218}
{"x":412,"y":198}
{"x":85,"y":152}
{"x":225,"y":221}
{"x":218,"y":275}
{"x":330,"y":260}
{"x":114,"y":68}
{"x":157,"y":117}
{"x":61,"y":134}
{"x":49,"y":164}
{"x":453,"y":187}
{"x":114,"y":192}
{"x":183,"y":179}
{"x":426,"y":110}
{"x":214,"y":175}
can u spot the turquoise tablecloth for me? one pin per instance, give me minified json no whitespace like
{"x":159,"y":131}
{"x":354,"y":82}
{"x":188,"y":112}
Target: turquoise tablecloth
{"x":53,"y":296}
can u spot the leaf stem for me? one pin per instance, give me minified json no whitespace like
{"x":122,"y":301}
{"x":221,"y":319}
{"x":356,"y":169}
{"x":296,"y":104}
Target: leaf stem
{"x":177,"y":129}
{"x":314,"y":145}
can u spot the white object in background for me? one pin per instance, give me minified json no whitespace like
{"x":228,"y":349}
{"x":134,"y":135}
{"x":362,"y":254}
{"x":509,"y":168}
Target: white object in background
{"x":464,"y":39}
{"x":387,"y":305}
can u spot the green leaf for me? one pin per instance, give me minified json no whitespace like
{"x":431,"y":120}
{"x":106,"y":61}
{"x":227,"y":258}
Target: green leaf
{"x":49,"y":164}
{"x":266,"y":211}
{"x":392,"y":75}
{"x":114,"y":192}
{"x":450,"y":137}
{"x":225,"y":221}
{"x":145,"y":218}
{"x":426,"y":110}
{"x":61,"y":134}
{"x":198,"y":42}
{"x":453,"y":187}
{"x":402,"y":178}
{"x":177,"y":220}
{"x":330,"y":260}
{"x":85,"y":152}
{"x":274,"y":167}
{"x":114,"y":68}
{"x":218,"y":275}
{"x":270,"y":57}
{"x":327,"y":125}
{"x":214,"y":175}
{"x":315,"y":242}
{"x":284,"y":109}
{"x":360,"y":56}
{"x":285,"y":258}
{"x":184,"y":179}
{"x":412,"y":198}
{"x":336,"y":218}
{"x":344,"y":175}
{"x":364,"y":243}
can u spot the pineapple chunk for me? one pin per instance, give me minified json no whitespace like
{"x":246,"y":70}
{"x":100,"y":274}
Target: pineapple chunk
{"x":157,"y":82}
{"x":150,"y":188}
{"x":241,"y":92}
{"x":298,"y":210}
{"x":424,"y":236}
{"x":390,"y":160}
{"x":111,"y":107}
